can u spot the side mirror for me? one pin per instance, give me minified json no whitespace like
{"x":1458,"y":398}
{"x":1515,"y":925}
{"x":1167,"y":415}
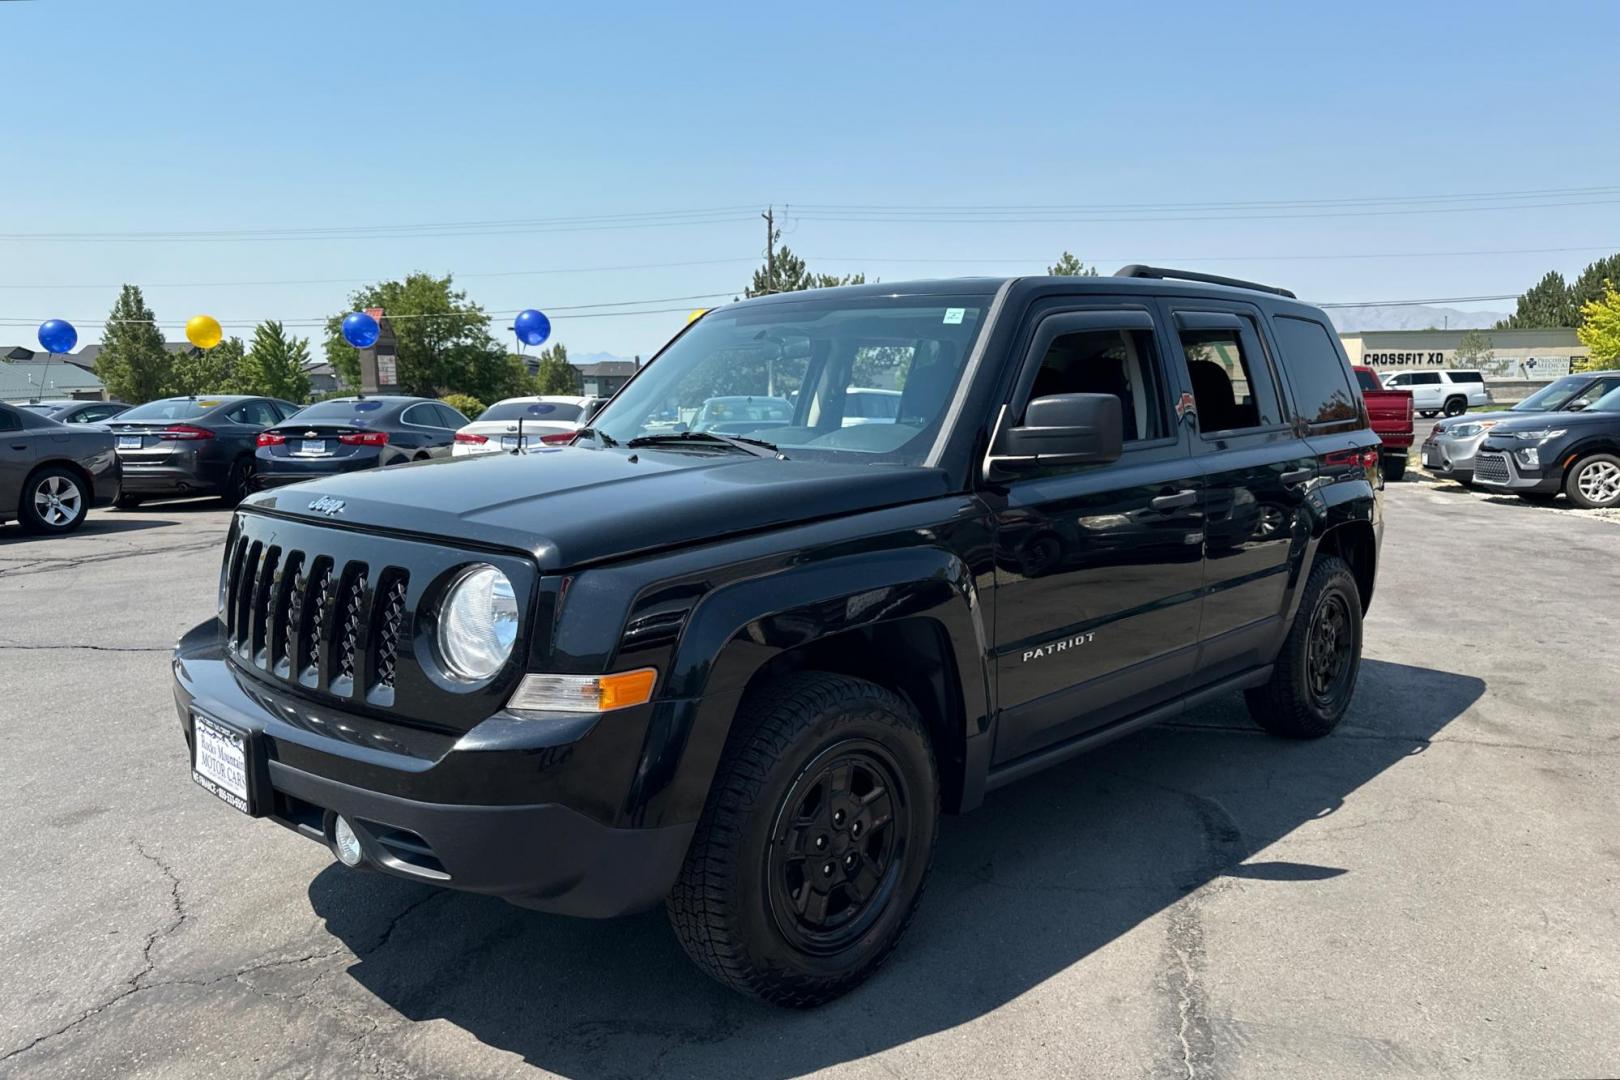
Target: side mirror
{"x":1576,"y":406}
{"x":1064,"y":429}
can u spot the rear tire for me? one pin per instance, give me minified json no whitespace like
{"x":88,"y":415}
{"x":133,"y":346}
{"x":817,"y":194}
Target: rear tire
{"x":1394,"y":468}
{"x":55,"y":501}
{"x":1594,"y":482}
{"x":239,"y":482}
{"x":1456,"y":406}
{"x":1314,"y":676}
{"x":817,"y":839}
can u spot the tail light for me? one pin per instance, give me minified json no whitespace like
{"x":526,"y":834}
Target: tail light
{"x":1365,"y":458}
{"x":558,"y":439}
{"x":271,"y":438}
{"x":185,"y":433}
{"x":467,"y":438}
{"x":365,"y":438}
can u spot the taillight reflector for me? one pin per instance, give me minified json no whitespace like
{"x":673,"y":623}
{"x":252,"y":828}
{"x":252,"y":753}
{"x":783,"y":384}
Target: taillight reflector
{"x":270,"y":438}
{"x":562,"y":437}
{"x":185,"y":433}
{"x":470,"y":439}
{"x":365,"y":438}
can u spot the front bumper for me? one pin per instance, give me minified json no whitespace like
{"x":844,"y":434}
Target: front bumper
{"x":1499,"y":470}
{"x":406,"y":791}
{"x":1451,"y":458}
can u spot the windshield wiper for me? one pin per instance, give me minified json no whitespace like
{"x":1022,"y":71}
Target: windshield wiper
{"x":600,"y":436}
{"x":757,"y":447}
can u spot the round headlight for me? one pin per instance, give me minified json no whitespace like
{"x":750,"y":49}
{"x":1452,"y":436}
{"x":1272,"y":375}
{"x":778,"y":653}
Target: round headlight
{"x":478,"y":623}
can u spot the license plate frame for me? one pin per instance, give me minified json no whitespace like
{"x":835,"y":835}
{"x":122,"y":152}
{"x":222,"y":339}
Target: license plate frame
{"x":130,"y":442}
{"x":509,"y":442}
{"x":223,"y":762}
{"x":312,"y":447}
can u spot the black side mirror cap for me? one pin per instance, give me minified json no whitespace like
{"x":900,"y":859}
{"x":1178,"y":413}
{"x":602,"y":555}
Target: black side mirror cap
{"x":1063,"y":429}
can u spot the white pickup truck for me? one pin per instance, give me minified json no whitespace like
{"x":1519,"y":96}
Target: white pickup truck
{"x":1434,"y":392}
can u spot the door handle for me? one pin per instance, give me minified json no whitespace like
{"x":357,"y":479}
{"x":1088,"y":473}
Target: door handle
{"x":19,"y":446}
{"x":1297,"y":476}
{"x":1176,"y":501}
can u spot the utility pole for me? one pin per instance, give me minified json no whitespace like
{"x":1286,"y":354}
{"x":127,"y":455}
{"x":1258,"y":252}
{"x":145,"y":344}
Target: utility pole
{"x":770,"y":248}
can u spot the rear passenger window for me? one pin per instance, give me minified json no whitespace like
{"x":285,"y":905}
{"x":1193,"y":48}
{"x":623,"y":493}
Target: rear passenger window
{"x":1316,"y":373}
{"x":1231,"y":388}
{"x":8,"y":420}
{"x":253,"y":414}
{"x":1467,"y":376}
{"x":1118,"y":362}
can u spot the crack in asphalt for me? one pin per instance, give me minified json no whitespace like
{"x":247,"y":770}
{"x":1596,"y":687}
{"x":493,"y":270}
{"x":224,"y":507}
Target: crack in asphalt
{"x":50,"y":566}
{"x":1421,"y":740}
{"x":91,"y":648}
{"x":135,"y":983}
{"x":138,"y":983}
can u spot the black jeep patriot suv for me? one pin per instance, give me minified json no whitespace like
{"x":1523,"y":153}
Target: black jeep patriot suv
{"x":739,"y":658}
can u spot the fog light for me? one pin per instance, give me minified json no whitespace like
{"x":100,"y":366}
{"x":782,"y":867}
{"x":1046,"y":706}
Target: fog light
{"x":347,"y":843}
{"x":1530,"y":457}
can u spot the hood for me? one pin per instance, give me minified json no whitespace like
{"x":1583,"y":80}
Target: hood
{"x":1573,"y":422}
{"x":574,"y":505}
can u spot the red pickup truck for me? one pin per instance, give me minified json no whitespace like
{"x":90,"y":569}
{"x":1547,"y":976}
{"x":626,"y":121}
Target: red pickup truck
{"x":1391,"y":413}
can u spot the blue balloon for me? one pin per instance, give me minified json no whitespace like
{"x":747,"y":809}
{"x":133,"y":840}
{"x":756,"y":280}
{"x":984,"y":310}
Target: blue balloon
{"x":531,"y":327}
{"x":57,"y":336}
{"x":360,"y":330}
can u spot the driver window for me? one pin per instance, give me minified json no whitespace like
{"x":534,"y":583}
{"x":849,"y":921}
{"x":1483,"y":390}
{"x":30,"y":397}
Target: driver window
{"x":1118,"y":362}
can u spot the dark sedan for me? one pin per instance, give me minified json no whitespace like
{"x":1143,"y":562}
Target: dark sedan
{"x":1538,"y":457}
{"x":347,"y":434}
{"x":183,"y":446}
{"x":67,"y":411}
{"x":52,"y":474}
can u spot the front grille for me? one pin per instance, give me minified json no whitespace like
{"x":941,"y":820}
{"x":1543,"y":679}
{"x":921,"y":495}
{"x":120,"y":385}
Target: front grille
{"x":306,"y":617}
{"x":1492,"y":468}
{"x":341,"y":616}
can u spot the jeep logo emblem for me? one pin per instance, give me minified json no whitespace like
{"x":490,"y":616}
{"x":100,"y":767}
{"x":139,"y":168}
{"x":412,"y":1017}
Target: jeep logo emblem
{"x":327,"y":505}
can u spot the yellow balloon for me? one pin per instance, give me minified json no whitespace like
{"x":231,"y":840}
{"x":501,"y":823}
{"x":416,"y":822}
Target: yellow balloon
{"x":697,"y":313}
{"x":203,"y":331}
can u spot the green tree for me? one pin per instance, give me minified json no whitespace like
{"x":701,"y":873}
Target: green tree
{"x":193,"y":371}
{"x":1545,"y":305}
{"x":465,"y":404}
{"x":1594,"y":283}
{"x":786,"y":272}
{"x":276,"y":366}
{"x":443,"y":342}
{"x":1069,"y":266}
{"x":1600,"y":328}
{"x":1474,"y":350}
{"x":133,"y":364}
{"x":556,"y":375}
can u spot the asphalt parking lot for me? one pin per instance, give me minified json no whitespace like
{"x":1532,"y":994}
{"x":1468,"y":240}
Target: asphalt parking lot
{"x":1431,"y":891}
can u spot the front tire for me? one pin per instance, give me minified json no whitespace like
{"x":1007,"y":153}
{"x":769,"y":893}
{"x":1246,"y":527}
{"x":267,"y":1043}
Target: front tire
{"x":1428,"y":414}
{"x":1315,"y":672}
{"x":812,"y":852}
{"x":55,"y":501}
{"x":1594,"y":482}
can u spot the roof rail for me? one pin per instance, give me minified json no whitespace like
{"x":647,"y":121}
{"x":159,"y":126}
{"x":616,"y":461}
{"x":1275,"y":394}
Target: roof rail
{"x":1139,"y":270}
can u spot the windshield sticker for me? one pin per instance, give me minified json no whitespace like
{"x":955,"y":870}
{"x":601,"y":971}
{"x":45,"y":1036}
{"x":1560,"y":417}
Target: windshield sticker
{"x":207,"y":404}
{"x":541,"y":409}
{"x":953,"y":316}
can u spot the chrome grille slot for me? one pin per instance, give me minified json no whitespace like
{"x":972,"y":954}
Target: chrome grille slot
{"x":284,"y":610}
{"x":388,"y":626}
{"x":314,"y":602}
{"x":233,"y":585}
{"x":246,"y":582}
{"x":263,"y":588}
{"x":348,"y":632}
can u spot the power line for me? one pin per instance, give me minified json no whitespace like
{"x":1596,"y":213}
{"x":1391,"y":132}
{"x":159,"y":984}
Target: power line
{"x":1157,"y":259}
{"x":1607,"y":189}
{"x":1091,"y":219}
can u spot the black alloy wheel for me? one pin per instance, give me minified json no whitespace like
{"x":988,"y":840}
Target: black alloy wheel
{"x":239,"y":484}
{"x":838,"y":847}
{"x":1327,"y":650}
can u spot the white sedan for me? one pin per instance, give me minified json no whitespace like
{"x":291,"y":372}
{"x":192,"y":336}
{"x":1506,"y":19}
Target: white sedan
{"x":525,"y":422}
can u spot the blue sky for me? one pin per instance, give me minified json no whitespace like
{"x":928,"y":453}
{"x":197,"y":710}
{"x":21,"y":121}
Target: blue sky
{"x":205,"y":117}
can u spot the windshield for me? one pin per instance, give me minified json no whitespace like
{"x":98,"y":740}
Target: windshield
{"x":1552,"y":396}
{"x":1609,"y":402}
{"x":552,"y":411}
{"x":171,"y":409}
{"x":339,"y":410}
{"x":781,"y":373}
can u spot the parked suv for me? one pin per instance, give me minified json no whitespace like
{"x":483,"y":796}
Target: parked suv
{"x":744,"y":673}
{"x":1436,"y":392}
